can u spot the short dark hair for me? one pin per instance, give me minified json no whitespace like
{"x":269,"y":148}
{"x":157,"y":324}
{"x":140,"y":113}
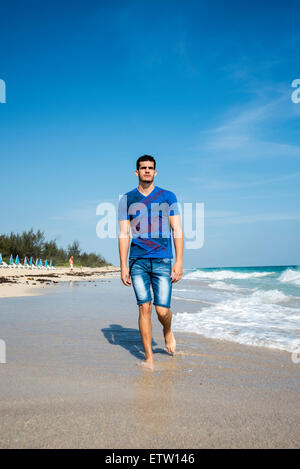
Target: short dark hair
{"x":145,"y":158}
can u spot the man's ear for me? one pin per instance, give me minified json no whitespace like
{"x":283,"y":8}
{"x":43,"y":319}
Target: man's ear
{"x":136,"y":172}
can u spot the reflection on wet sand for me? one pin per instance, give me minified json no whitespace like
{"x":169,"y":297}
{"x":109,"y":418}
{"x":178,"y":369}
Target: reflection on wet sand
{"x":154,"y":400}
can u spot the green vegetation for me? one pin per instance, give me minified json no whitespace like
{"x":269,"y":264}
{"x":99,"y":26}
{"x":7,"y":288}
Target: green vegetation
{"x":31,"y":243}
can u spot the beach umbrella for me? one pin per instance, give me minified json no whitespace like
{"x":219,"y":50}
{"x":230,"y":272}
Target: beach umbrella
{"x":1,"y":260}
{"x":17,"y":259}
{"x":25,"y":261}
{"x":11,"y":261}
{"x":30,"y":261}
{"x":41,"y":263}
{"x":46,"y":263}
{"x":51,"y":263}
{"x":37,"y":262}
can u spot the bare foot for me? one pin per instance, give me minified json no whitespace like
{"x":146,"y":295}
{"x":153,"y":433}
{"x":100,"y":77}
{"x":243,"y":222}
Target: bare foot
{"x":170,"y":342}
{"x":149,"y":364}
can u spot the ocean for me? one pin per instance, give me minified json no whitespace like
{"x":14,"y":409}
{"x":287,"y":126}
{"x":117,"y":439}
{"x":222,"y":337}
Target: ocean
{"x":257,"y":306}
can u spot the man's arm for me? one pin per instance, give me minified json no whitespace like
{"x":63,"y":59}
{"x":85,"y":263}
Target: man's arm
{"x":124,"y":240}
{"x":177,"y":233}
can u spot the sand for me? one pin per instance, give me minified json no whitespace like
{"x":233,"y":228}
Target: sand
{"x":16,"y":282}
{"x":73,"y":380}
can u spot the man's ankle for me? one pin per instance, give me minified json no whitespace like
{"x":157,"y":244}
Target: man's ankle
{"x":149,"y":357}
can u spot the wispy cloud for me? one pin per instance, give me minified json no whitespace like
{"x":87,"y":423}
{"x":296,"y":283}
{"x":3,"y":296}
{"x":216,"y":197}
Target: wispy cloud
{"x":241,"y":132}
{"x":83,"y":212}
{"x":220,"y":184}
{"x":242,"y":219}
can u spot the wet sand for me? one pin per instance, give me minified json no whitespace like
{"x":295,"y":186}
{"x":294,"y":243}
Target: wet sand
{"x":73,"y":380}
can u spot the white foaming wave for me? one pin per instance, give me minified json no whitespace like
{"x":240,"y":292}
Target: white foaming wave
{"x":290,"y":276}
{"x":258,"y":295}
{"x":225,"y":286}
{"x":269,"y":296}
{"x":257,"y":319}
{"x":224,"y":274}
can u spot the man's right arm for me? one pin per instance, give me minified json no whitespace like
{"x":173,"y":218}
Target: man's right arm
{"x":124,"y":241}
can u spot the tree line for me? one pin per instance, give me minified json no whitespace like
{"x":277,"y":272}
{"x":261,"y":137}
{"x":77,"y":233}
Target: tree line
{"x":34,"y":244}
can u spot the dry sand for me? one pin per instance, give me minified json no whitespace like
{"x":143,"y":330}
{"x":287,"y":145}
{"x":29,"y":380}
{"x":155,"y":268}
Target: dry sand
{"x":16,"y":282}
{"x":72,"y":380}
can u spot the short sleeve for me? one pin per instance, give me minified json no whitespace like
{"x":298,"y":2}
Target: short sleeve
{"x":123,"y":209}
{"x":173,"y":204}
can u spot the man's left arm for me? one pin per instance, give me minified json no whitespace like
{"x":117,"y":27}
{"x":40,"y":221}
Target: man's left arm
{"x":177,"y":233}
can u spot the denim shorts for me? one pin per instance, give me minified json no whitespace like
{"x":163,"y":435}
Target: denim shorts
{"x":155,"y":272}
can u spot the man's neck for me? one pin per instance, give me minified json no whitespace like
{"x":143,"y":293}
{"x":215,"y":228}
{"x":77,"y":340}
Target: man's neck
{"x":145,"y":188}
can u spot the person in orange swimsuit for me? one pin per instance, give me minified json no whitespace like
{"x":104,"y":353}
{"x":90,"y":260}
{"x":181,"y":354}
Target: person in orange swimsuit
{"x":71,"y":262}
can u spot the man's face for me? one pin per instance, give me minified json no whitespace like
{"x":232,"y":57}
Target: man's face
{"x":146,"y":171}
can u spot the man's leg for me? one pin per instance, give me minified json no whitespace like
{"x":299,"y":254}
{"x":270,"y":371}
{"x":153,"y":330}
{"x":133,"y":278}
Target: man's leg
{"x":145,"y":327}
{"x":165,"y":318}
{"x":140,"y":277}
{"x":162,"y":289}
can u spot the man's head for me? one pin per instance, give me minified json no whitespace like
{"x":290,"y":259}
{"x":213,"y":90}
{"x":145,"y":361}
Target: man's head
{"x":145,"y":168}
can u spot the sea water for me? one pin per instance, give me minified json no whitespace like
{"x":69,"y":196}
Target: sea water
{"x":249,"y":305}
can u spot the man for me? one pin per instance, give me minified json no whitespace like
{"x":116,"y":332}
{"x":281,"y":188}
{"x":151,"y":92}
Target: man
{"x":151,"y":212}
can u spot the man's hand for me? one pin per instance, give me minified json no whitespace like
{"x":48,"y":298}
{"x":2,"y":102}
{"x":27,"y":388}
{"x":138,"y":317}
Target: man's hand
{"x":125,"y":277}
{"x":175,"y":223}
{"x":176,"y":272}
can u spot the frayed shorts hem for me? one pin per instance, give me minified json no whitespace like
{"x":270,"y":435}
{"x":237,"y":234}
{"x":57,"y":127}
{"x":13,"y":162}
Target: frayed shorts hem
{"x":155,"y":304}
{"x":163,"y":306}
{"x":144,"y":301}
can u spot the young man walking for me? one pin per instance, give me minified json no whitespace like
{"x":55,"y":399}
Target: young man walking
{"x":152,"y":213}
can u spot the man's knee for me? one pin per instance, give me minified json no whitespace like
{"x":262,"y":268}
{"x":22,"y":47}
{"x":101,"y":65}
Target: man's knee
{"x":162,"y":311}
{"x":145,"y":308}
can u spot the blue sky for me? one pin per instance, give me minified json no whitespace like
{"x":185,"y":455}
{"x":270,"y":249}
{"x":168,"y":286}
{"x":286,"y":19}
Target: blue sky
{"x":203,"y":86}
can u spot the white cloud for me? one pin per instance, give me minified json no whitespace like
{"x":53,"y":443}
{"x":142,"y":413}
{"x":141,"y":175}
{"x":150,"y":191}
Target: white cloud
{"x":220,"y":184}
{"x":241,"y":135}
{"x":242,"y":219}
{"x":83,"y":212}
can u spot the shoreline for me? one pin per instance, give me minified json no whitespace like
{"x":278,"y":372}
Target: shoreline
{"x":20,"y":282}
{"x":72,"y":380}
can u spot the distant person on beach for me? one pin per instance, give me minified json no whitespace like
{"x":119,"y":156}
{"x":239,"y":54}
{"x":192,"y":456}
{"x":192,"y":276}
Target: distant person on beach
{"x":152,"y":213}
{"x":71,"y":262}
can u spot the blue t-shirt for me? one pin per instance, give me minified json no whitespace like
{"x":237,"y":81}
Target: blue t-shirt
{"x":149,"y":222}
